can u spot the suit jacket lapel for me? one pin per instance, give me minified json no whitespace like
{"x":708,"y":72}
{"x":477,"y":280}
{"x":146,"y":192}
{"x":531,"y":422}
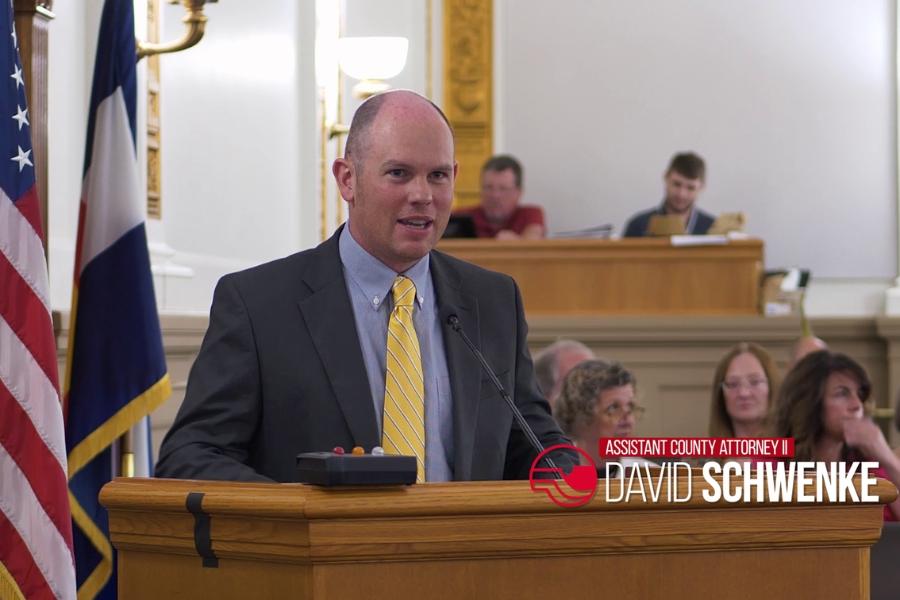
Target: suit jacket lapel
{"x":329,"y":318}
{"x":463,"y":367}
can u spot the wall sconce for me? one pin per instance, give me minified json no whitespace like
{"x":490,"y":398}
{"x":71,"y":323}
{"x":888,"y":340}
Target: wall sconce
{"x":371,"y":60}
{"x":195,"y":21}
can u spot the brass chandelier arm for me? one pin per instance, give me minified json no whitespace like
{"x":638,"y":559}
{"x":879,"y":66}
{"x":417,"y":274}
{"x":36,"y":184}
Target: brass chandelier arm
{"x":336,"y":129}
{"x":196,"y":26}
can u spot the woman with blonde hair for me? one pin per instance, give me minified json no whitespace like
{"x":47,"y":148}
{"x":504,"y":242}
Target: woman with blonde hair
{"x":822,"y":404}
{"x":744,"y":385}
{"x":598,"y":401}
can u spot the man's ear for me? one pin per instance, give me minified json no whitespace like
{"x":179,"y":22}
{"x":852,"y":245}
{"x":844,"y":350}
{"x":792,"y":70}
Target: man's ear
{"x":345,"y":178}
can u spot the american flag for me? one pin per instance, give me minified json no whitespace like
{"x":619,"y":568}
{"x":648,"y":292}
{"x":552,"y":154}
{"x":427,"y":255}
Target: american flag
{"x":36,"y":556}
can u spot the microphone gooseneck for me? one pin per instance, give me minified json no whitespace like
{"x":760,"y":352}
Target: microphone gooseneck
{"x":455,"y":325}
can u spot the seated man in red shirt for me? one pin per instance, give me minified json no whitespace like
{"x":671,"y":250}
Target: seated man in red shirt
{"x":500,"y":215}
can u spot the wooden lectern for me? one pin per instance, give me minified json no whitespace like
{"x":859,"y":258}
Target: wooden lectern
{"x":477,"y":540}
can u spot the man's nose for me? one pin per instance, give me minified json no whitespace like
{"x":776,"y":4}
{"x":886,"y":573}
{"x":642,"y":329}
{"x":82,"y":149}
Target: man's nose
{"x":420,"y":190}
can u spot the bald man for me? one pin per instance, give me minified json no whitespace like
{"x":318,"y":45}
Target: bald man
{"x":295,"y":358}
{"x":804,"y":345}
{"x":553,"y":363}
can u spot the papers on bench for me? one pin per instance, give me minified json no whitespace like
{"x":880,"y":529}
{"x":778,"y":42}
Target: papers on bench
{"x":600,"y":231}
{"x":707,"y":240}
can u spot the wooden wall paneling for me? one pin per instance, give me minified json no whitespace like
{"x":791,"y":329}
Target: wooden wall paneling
{"x":889,"y":330}
{"x":672,"y":358}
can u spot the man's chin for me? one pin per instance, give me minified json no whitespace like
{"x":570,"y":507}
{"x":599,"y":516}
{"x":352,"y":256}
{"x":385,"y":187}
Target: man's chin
{"x":412,"y":252}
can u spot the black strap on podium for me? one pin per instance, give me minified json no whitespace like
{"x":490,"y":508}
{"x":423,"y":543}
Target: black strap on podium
{"x":202,"y":539}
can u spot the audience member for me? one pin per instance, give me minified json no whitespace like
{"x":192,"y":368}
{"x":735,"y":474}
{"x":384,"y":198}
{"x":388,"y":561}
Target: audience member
{"x":684,"y":181}
{"x":500,"y":215}
{"x":744,"y":384}
{"x":897,"y":421}
{"x":598,"y":401}
{"x":553,"y":363}
{"x":804,"y":345}
{"x":822,"y":405}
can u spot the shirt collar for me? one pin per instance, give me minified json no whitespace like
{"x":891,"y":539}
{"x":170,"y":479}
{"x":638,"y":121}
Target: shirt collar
{"x":373,"y":277}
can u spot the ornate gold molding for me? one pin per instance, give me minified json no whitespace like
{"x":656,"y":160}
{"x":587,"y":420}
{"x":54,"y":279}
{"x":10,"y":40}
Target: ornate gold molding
{"x":468,"y":89}
{"x":154,"y":163}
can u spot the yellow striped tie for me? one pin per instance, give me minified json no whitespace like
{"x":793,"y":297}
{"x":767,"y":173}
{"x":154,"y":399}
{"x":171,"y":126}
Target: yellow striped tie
{"x":404,"y":391}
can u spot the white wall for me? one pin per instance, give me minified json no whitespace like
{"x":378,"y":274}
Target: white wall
{"x":791,"y":103}
{"x":239,"y":142}
{"x":238,"y":135}
{"x":405,"y":18}
{"x":73,"y":36}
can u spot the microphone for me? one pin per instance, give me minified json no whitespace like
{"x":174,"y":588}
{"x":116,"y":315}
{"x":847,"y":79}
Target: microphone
{"x":453,"y":322}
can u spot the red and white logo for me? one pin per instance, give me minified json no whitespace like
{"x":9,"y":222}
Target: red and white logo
{"x":569,"y":490}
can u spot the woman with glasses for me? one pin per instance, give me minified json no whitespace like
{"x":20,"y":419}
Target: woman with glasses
{"x":598,"y":401}
{"x":745,"y":382}
{"x":822,"y":404}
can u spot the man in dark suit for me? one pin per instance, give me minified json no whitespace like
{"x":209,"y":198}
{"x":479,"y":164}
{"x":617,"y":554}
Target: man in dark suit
{"x":294,"y":357}
{"x":684,"y":180}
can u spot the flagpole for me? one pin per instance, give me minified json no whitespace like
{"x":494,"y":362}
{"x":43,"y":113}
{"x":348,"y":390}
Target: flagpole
{"x":126,"y":452}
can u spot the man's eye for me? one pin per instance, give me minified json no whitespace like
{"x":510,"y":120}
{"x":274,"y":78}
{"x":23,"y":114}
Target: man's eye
{"x":397,"y":172}
{"x":439,"y":175}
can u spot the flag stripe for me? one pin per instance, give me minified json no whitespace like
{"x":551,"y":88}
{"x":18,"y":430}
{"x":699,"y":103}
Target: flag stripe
{"x":30,"y":208}
{"x":28,"y":383}
{"x":19,"y":562}
{"x":115,"y":68}
{"x":36,"y":545}
{"x":47,"y":547}
{"x":110,"y":186}
{"x":45,"y":475}
{"x":116,"y":350}
{"x":28,"y":256}
{"x":26,"y":319}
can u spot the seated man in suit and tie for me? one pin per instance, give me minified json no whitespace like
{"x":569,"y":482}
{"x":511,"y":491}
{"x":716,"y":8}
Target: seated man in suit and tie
{"x":347,"y":344}
{"x":684,"y":181}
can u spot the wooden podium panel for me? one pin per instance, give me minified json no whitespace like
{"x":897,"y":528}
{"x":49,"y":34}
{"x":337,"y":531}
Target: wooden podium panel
{"x":633,"y":276}
{"x":480,"y":540}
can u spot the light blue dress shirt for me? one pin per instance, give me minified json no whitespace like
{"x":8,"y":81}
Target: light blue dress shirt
{"x":369,"y":283}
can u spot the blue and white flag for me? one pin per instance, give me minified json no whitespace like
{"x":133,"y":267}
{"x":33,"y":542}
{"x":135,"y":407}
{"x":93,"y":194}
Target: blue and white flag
{"x":116,"y":372}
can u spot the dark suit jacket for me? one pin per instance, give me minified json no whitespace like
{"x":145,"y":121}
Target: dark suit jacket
{"x":281,"y":372}
{"x":637,"y":225}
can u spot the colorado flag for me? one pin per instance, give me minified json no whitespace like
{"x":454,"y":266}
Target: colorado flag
{"x":116,"y":367}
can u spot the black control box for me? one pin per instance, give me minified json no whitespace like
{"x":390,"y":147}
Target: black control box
{"x":331,"y":469}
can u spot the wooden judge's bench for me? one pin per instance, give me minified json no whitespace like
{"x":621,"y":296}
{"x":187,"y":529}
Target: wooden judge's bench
{"x":492,"y":540}
{"x":633,"y":276}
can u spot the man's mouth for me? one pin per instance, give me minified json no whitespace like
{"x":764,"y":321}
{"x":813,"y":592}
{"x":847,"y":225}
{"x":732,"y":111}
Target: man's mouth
{"x":416,"y":222}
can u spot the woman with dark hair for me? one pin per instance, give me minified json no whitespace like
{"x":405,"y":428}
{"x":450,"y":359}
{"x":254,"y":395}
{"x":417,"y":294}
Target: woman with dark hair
{"x":822,"y":404}
{"x":598,"y":401}
{"x":744,"y":385}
